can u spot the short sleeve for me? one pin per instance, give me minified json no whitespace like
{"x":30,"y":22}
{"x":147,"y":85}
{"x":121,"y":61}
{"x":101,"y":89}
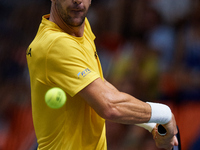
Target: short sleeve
{"x":68,"y":67}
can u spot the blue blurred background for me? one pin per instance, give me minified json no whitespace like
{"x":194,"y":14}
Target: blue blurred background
{"x":148,"y":48}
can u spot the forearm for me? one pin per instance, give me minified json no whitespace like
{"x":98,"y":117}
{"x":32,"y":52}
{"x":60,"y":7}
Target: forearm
{"x":124,"y":107}
{"x":120,"y":107}
{"x":148,"y":115}
{"x":127,"y":109}
{"x":115,"y":106}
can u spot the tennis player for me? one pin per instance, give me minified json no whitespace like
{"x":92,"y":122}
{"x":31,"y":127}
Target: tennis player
{"x":63,"y":54}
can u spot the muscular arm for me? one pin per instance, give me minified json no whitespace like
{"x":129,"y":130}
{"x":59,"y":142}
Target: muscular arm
{"x":120,"y":107}
{"x":114,"y":105}
{"x":110,"y":85}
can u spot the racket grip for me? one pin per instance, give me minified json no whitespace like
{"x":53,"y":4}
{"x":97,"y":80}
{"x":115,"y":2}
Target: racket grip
{"x":161,"y":130}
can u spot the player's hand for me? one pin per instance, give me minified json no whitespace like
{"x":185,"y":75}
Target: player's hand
{"x":169,"y":140}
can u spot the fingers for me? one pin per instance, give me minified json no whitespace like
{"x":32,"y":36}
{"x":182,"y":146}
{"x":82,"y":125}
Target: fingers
{"x":166,"y":145}
{"x":162,"y":142}
{"x":175,"y":141}
{"x":174,"y":124}
{"x":171,"y":127}
{"x":168,"y":140}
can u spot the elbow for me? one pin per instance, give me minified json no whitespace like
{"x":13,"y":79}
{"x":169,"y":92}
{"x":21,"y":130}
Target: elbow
{"x":109,"y":106}
{"x":111,"y":109}
{"x":111,"y":114}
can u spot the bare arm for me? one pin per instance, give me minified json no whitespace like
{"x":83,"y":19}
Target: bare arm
{"x":114,"y":105}
{"x":120,"y":107}
{"x":110,"y":85}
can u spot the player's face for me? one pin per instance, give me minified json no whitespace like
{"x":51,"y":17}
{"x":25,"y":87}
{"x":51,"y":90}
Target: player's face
{"x":73,"y":12}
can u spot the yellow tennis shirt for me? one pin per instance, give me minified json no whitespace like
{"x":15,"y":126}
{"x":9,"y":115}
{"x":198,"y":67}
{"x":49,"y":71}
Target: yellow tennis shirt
{"x":57,"y":59}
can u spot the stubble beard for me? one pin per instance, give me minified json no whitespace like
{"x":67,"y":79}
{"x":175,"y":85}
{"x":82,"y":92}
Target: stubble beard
{"x":74,"y":21}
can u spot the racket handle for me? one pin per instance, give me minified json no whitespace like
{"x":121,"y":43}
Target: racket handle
{"x":161,"y":130}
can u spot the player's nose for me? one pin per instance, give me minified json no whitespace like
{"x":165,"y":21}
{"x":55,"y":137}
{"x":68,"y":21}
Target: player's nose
{"x":77,"y":1}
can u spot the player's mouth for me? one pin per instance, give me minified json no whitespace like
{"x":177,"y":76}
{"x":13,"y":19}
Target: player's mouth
{"x":77,"y":11}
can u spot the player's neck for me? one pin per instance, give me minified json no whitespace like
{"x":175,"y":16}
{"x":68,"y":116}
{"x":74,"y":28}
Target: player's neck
{"x":74,"y":31}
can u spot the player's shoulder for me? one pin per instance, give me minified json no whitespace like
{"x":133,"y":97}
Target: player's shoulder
{"x":48,"y":30}
{"x":88,"y":31}
{"x":63,"y":45}
{"x":49,"y":36}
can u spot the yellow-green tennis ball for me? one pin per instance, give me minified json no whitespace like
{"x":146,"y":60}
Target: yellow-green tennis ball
{"x":55,"y":98}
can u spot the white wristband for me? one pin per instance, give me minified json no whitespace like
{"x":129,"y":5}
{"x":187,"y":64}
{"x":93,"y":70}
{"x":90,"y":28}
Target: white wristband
{"x":160,"y":113}
{"x":147,"y":126}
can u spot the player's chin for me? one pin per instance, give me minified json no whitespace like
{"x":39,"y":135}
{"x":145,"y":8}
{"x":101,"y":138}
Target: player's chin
{"x":77,"y":14}
{"x":76,"y":22}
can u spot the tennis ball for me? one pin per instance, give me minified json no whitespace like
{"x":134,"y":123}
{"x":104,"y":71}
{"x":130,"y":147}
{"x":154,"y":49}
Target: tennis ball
{"x":55,"y":98}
